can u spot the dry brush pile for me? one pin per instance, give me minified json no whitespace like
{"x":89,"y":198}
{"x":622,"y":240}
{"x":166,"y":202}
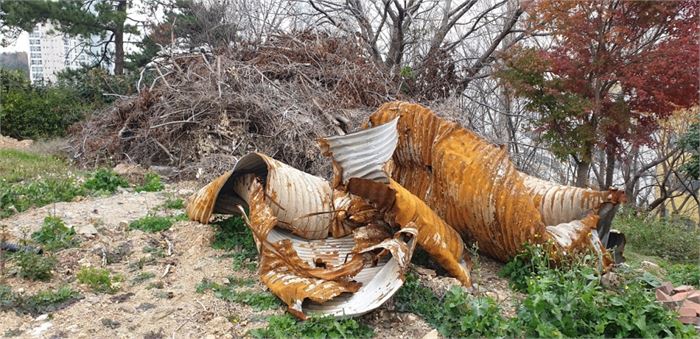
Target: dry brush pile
{"x":203,"y":110}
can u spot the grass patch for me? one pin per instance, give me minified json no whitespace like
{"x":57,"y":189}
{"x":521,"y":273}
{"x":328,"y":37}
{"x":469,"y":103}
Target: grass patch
{"x":152,"y":224}
{"x":33,"y":266}
{"x":105,"y":180}
{"x":17,"y":166}
{"x":259,"y":301}
{"x":233,"y":235}
{"x":39,"y":303}
{"x":285,"y":326}
{"x":19,"y":197}
{"x":665,"y":238}
{"x":151,"y":183}
{"x":174,"y":204}
{"x":32,"y":180}
{"x":99,"y":280}
{"x":54,"y":235}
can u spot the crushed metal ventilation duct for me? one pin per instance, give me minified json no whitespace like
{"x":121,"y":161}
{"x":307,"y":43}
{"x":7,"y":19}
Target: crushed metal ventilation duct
{"x":342,"y":248}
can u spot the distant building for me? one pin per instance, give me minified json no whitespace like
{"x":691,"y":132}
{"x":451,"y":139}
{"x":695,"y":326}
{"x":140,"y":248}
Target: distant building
{"x":51,"y":52}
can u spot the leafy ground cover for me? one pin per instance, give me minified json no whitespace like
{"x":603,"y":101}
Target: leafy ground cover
{"x":31,"y":179}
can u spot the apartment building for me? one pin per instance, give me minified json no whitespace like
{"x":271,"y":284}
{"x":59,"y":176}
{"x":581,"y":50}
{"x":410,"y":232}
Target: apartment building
{"x":51,"y":52}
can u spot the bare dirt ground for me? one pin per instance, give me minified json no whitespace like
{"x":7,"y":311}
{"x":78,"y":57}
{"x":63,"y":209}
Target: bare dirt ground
{"x":7,"y":142}
{"x":168,"y":305}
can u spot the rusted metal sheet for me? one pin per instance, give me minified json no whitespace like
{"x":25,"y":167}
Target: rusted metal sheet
{"x":292,"y":215}
{"x":412,"y":178}
{"x":361,"y":154}
{"x":475,"y":188}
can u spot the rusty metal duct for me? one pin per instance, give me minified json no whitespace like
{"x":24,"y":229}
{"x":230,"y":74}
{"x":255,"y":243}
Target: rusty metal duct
{"x":341,"y":249}
{"x":292,"y":214}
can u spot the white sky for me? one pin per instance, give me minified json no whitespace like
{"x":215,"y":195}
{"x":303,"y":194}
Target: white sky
{"x":22,"y":42}
{"x":20,"y":45}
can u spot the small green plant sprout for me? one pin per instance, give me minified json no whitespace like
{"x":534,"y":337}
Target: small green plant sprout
{"x":55,"y":235}
{"x":151,"y":223}
{"x":232,"y":234}
{"x":99,"y":280}
{"x":105,"y":180}
{"x":33,"y":266}
{"x":259,"y":301}
{"x":174,"y":204}
{"x":39,"y":303}
{"x":285,"y":326}
{"x":151,"y":183}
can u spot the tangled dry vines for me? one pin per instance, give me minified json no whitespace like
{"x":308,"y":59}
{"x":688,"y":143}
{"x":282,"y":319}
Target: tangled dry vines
{"x":276,"y":98}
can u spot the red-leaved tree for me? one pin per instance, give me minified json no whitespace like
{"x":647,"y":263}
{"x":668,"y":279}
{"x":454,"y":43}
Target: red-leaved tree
{"x":612,"y":70}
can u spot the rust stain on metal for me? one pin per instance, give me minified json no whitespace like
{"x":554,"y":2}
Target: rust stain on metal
{"x":475,"y":188}
{"x":341,"y":248}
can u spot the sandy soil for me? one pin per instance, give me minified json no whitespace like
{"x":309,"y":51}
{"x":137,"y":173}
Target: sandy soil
{"x":168,"y":305}
{"x":7,"y":142}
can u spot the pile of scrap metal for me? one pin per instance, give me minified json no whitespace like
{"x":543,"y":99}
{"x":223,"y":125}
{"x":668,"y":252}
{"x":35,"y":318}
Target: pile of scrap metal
{"x":409,"y":178}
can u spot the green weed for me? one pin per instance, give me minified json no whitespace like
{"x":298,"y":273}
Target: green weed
{"x":257,"y":300}
{"x":105,"y":180}
{"x":525,"y":265}
{"x":39,"y":303}
{"x":33,"y":266}
{"x":572,"y":303}
{"x":54,"y":235}
{"x":455,"y":315}
{"x":232,"y":234}
{"x":285,"y":326}
{"x":99,"y":280}
{"x":19,"y":197}
{"x":151,"y":183}
{"x":151,"y":223}
{"x":174,"y":204}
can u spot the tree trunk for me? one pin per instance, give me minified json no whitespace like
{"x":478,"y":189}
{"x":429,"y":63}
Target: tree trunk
{"x":119,"y":40}
{"x":582,"y":169}
{"x":609,"y":166}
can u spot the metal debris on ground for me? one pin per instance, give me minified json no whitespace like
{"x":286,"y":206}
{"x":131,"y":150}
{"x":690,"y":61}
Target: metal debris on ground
{"x":341,"y":248}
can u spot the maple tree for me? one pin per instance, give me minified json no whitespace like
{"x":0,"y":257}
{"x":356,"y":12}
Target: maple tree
{"x":614,"y":70}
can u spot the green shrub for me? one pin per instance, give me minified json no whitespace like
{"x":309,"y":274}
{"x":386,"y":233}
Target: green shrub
{"x":151,"y":183}
{"x":39,"y":303}
{"x":33,"y":266}
{"x":39,"y":112}
{"x":257,"y":300}
{"x":669,"y":239}
{"x":54,"y":235}
{"x":99,"y":280}
{"x":572,"y":303}
{"x":151,"y":223}
{"x":285,"y":326}
{"x":232,"y":234}
{"x":105,"y":180}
